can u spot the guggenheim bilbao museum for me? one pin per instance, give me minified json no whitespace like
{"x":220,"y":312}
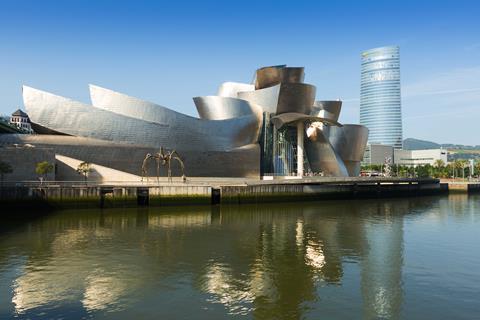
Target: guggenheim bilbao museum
{"x":273,"y":126}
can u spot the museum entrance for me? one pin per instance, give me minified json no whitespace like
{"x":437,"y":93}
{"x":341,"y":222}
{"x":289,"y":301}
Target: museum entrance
{"x":279,"y":149}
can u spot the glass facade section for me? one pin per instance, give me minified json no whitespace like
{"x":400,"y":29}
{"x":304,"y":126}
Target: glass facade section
{"x":380,"y":101}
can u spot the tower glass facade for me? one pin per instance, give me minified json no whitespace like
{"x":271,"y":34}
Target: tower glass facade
{"x":380,"y":102}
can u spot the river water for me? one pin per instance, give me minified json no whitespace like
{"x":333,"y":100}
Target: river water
{"x":413,"y":258}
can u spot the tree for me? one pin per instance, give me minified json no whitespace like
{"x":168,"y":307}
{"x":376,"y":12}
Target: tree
{"x":424,"y":171}
{"x":462,"y":164}
{"x":402,"y":171}
{"x":43,"y":168}
{"x":84,"y":169}
{"x":5,"y":168}
{"x":476,"y":168}
{"x":457,"y":165}
{"x":451,"y":169}
{"x":439,"y":164}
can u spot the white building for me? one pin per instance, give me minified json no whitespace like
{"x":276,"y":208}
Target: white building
{"x":377,"y":153}
{"x":21,"y":120}
{"x":420,"y":157}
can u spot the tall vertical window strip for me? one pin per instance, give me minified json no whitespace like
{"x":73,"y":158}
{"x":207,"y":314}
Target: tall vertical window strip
{"x":380,"y":103}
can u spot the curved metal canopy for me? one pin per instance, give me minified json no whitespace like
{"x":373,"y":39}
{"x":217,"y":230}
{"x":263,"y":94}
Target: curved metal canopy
{"x":283,"y":98}
{"x":294,"y":117}
{"x":327,"y":109}
{"x":126,"y":119}
{"x":221,"y":108}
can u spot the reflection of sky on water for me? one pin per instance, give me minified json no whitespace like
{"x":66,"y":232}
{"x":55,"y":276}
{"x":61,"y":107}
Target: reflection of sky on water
{"x":223,"y":288}
{"x":103,"y":291}
{"x":68,"y":276}
{"x":290,"y":261}
{"x":314,"y":255}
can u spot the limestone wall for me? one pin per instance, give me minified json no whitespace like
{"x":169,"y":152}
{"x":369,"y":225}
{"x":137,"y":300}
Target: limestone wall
{"x":24,"y":160}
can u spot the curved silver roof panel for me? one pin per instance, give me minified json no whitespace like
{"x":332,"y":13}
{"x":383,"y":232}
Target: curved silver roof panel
{"x":269,"y":76}
{"x":241,"y":131}
{"x":296,"y":97}
{"x":283,"y":98}
{"x":327,"y":109}
{"x":220,"y":108}
{"x":266,"y":98}
{"x":137,"y":122}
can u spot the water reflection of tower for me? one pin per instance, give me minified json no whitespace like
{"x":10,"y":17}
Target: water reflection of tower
{"x":381,"y":281}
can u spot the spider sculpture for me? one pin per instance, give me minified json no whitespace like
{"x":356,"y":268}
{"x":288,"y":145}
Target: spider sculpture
{"x":163,"y":158}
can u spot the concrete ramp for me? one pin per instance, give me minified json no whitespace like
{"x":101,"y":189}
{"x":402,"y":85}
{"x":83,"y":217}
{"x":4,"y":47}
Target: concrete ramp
{"x":67,"y":171}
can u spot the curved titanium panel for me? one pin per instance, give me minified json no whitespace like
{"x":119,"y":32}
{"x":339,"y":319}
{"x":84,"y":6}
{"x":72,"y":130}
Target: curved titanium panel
{"x":231,"y":89}
{"x":291,"y":117}
{"x":266,"y":98}
{"x":42,"y":130}
{"x":293,"y":75}
{"x":270,"y":76}
{"x":327,"y":109}
{"x":283,"y":98}
{"x":176,"y":131}
{"x":321,"y":155}
{"x":238,"y":162}
{"x":350,"y":142}
{"x":296,"y":97}
{"x":220,"y":108}
{"x":239,"y":131}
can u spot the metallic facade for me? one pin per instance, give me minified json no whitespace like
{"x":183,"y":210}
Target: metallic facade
{"x":380,"y":102}
{"x":238,"y":162}
{"x":130,"y":123}
{"x":283,"y":97}
{"x":179,"y":129}
{"x":327,"y":109}
{"x":267,"y":98}
{"x":220,"y":108}
{"x":270,"y":76}
{"x":272,"y":126}
{"x":336,"y":150}
{"x":322,"y":156}
{"x":349,"y":141}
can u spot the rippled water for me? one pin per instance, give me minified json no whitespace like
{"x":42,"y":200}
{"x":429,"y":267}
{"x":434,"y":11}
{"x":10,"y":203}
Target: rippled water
{"x":402,"y":258}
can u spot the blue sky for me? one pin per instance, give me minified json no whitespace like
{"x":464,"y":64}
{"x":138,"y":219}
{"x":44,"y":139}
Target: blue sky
{"x":168,"y":52}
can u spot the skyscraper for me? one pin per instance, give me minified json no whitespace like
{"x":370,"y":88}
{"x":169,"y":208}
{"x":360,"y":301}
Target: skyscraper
{"x":380,"y":104}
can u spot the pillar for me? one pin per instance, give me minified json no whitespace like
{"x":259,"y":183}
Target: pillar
{"x":300,"y":135}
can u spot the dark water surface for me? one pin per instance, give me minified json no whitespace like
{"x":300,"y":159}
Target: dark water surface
{"x":413,"y":258}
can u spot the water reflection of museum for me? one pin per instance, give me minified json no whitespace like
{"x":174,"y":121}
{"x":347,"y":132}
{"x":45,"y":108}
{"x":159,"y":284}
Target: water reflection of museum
{"x":264,"y":260}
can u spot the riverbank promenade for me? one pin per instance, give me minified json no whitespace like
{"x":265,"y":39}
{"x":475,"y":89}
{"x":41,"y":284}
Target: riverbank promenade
{"x":213,"y":191}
